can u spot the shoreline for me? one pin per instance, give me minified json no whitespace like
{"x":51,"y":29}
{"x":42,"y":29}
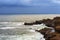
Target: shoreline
{"x":31,"y":14}
{"x":27,"y":18}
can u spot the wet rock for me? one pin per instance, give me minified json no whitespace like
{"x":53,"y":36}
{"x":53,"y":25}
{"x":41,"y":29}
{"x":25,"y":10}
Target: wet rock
{"x":56,"y":37}
{"x":46,"y":32}
{"x":28,"y":23}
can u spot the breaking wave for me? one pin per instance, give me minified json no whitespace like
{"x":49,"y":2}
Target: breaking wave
{"x":18,"y":31}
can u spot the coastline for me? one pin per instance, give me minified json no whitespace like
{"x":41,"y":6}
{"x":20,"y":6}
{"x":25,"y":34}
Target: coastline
{"x":27,"y":17}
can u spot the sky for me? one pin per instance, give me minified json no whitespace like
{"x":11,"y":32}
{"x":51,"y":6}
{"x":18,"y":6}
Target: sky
{"x":29,"y":7}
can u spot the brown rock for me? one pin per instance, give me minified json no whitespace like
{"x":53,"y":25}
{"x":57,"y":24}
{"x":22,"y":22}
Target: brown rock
{"x":56,"y":21}
{"x":56,"y":37}
{"x":57,"y":28}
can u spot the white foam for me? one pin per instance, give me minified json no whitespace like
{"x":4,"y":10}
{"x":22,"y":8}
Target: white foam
{"x":39,"y":26}
{"x":11,"y":24}
{"x":8,"y":28}
{"x":27,"y":36}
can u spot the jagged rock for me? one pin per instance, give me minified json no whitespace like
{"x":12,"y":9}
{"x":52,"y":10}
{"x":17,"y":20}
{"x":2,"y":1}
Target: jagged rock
{"x":55,"y":36}
{"x":28,"y":23}
{"x":48,"y":34}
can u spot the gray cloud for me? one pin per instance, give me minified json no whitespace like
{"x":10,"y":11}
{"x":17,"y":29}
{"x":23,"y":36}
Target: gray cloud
{"x":25,"y":2}
{"x":15,"y":2}
{"x":29,"y":2}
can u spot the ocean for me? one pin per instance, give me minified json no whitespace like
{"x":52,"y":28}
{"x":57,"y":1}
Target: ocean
{"x":26,"y":17}
{"x":18,"y":31}
{"x":12,"y":26}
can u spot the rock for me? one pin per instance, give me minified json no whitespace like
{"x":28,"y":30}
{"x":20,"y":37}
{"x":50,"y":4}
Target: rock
{"x":49,"y":33}
{"x":57,"y":28}
{"x":56,"y":21}
{"x":55,"y":36}
{"x":46,"y":32}
{"x":28,"y":23}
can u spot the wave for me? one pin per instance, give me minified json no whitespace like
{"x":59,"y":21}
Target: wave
{"x":10,"y":24}
{"x":18,"y":31}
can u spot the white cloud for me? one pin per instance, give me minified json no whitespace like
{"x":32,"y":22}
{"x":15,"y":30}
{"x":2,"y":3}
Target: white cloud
{"x":18,"y":2}
{"x":25,"y":2}
{"x":56,"y":1}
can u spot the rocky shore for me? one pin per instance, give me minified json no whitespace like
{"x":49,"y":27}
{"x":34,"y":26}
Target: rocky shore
{"x":48,"y":34}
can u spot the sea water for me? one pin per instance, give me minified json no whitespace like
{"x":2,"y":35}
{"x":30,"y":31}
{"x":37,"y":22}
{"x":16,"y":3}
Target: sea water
{"x":18,"y":31}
